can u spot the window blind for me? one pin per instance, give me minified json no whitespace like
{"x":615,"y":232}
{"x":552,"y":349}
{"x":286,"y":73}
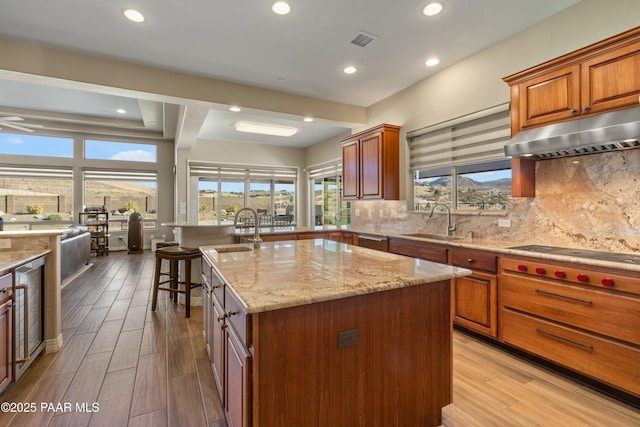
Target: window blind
{"x":474,"y":138}
{"x":325,"y":170}
{"x":35,"y":172}
{"x":111,"y":175}
{"x":240,"y":172}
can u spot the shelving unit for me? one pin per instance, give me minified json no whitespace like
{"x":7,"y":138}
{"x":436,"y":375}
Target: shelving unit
{"x":98,"y":225}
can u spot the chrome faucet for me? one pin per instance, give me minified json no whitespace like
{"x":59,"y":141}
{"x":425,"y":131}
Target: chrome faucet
{"x":450,"y":228}
{"x":256,"y":234}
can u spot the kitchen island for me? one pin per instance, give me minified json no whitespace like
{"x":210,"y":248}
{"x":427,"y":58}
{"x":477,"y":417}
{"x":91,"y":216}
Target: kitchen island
{"x":317,"y":333}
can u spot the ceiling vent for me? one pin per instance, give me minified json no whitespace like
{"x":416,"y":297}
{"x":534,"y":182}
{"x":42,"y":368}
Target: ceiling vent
{"x":362,"y":38}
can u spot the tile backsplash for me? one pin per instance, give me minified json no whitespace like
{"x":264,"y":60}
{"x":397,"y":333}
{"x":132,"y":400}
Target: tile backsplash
{"x":589,"y":202}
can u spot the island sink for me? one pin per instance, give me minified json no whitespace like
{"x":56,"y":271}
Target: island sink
{"x":223,"y":249}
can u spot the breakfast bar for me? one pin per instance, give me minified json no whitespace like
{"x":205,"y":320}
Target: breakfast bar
{"x":316,"y":332}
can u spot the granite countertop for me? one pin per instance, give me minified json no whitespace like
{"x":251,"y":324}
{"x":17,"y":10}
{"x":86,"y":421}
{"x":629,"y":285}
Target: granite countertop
{"x":31,"y":233}
{"x":292,"y":273}
{"x":13,"y":259}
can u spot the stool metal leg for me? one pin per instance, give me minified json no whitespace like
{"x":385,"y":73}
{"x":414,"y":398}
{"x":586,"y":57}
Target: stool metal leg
{"x":156,"y":283}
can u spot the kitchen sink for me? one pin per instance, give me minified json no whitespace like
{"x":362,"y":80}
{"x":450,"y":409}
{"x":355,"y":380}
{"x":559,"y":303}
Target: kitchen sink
{"x":232,"y":248}
{"x":433,"y":236}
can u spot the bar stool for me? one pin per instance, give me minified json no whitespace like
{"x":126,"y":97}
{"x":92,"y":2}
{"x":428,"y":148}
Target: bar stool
{"x":174,"y":254}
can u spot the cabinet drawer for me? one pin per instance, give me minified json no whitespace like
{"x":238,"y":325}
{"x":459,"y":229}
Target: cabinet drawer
{"x":236,"y":317}
{"x":420,"y":250}
{"x":608,"y":361}
{"x":575,"y":273}
{"x":591,"y":309}
{"x":6,"y":287}
{"x":217,"y":286}
{"x":474,"y":259}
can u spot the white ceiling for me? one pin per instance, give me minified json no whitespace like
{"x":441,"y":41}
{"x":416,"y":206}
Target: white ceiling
{"x":245,"y":42}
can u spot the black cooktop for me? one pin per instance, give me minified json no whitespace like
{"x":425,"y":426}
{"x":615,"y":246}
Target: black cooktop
{"x":582,"y":253}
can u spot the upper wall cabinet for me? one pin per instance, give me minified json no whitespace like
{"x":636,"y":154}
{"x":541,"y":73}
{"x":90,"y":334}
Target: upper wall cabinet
{"x":598,"y":78}
{"x":371,"y":164}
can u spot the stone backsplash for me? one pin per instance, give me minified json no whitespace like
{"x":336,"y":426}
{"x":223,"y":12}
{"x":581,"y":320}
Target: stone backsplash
{"x":589,"y":202}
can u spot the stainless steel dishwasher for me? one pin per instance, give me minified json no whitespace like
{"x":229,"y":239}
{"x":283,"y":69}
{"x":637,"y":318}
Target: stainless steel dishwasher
{"x":380,"y":243}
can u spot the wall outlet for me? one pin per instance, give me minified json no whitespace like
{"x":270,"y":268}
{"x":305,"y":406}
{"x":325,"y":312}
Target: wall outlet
{"x":504,"y":222}
{"x":5,"y":243}
{"x":357,"y":212}
{"x":381,"y":213}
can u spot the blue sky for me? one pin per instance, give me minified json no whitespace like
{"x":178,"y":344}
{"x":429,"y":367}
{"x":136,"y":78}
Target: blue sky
{"x":63,"y":147}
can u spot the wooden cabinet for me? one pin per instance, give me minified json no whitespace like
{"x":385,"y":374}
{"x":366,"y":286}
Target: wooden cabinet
{"x":549,"y":98}
{"x":278,"y":237}
{"x":596,"y":79}
{"x":371,"y":164}
{"x":417,"y":249}
{"x":475,"y":297}
{"x":582,"y":317}
{"x":6,"y":331}
{"x":225,"y":330}
{"x":599,"y":78}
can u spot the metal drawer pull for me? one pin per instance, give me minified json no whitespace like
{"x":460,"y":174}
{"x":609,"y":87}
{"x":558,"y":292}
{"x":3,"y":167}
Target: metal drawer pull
{"x":551,"y":294}
{"x":563,"y":339}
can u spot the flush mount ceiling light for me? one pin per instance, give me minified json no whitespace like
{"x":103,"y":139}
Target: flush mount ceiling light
{"x":235,"y":109}
{"x":281,"y":7}
{"x":350,"y":70}
{"x":265,"y":129}
{"x":133,"y":15}
{"x":308,"y":119}
{"x":432,"y":9}
{"x":432,"y":62}
{"x":121,"y":111}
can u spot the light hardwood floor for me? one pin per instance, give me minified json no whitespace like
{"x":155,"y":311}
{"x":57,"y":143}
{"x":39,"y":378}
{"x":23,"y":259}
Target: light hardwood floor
{"x":151,"y":369}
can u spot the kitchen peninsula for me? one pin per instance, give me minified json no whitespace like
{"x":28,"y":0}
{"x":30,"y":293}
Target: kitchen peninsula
{"x":316,"y":332}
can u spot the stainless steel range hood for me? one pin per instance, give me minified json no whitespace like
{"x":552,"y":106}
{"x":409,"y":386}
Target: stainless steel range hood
{"x":617,"y":130}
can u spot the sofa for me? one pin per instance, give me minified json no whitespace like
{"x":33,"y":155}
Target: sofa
{"x":75,"y":250}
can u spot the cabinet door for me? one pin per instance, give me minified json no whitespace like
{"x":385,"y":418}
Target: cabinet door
{"x":476,"y":304}
{"x":237,"y":381}
{"x":371,"y":184}
{"x":6,"y":350}
{"x":217,"y":344}
{"x":612,"y":80}
{"x":350,"y":170}
{"x":549,"y":98}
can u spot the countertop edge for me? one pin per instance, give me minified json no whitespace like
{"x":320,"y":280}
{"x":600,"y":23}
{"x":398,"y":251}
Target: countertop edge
{"x":20,"y":257}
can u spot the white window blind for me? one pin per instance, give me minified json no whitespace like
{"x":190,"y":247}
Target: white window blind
{"x":111,"y":175}
{"x":35,"y":172}
{"x":325,"y":170}
{"x":474,"y":138}
{"x":240,"y":172}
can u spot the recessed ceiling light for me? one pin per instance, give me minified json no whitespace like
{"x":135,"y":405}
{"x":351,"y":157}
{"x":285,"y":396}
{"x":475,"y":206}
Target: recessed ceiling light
{"x":432,"y":9}
{"x":265,"y":129}
{"x":133,"y":15}
{"x":308,"y":119}
{"x":281,"y":7}
{"x":431,"y":62}
{"x":121,"y":111}
{"x":235,"y":109}
{"x":350,"y":70}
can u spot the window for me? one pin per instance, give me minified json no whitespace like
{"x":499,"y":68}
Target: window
{"x":222,"y":190}
{"x":461,"y":162}
{"x":35,"y":197}
{"x":124,"y":151}
{"x":122,"y":193}
{"x":35,"y":145}
{"x":328,"y":208}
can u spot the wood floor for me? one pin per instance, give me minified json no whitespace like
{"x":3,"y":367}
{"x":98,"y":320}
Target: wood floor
{"x":151,"y":369}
